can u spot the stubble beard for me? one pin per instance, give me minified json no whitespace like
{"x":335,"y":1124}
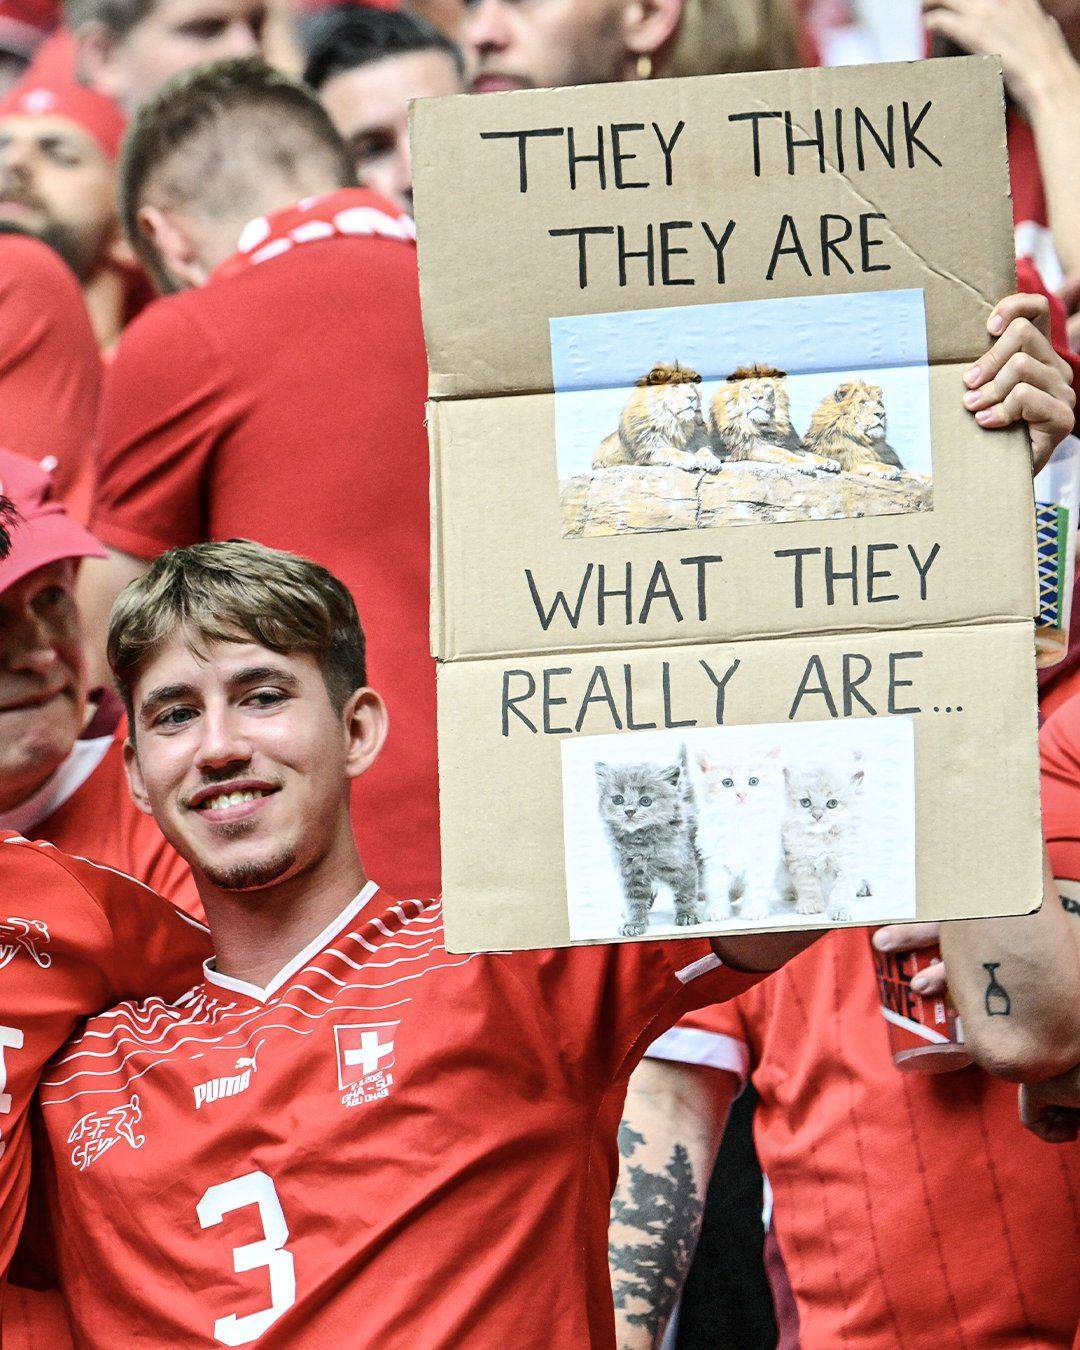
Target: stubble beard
{"x":249,"y":876}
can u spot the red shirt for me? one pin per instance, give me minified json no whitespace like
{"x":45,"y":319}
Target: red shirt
{"x":76,"y":937}
{"x":911,"y":1210}
{"x":50,"y":370}
{"x":1059,"y":748}
{"x":388,"y":1146}
{"x":284,"y":402}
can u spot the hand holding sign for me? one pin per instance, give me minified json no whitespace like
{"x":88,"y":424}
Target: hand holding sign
{"x":1022,"y":378}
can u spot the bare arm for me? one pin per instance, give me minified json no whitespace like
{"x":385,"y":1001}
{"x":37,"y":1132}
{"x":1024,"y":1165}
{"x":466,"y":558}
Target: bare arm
{"x":763,"y":951}
{"x":100,"y":581}
{"x":1044,"y":79}
{"x":671,"y":1129}
{"x":1016,"y":983}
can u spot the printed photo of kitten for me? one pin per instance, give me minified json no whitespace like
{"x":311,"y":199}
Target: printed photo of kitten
{"x":739,"y":828}
{"x":823,"y":838}
{"x":648,"y":813}
{"x":739,"y":800}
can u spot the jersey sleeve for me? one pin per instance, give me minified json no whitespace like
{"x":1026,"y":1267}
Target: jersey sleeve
{"x":165,"y":405}
{"x":1059,"y":751}
{"x":145,"y":946}
{"x":715,"y":1037}
{"x":607,"y":1004}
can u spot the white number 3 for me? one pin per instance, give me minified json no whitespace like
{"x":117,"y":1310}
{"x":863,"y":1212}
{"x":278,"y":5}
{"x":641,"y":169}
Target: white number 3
{"x":256,"y":1188}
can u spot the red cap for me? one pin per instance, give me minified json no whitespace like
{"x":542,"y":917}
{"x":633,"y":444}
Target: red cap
{"x":58,"y":96}
{"x":25,"y":23}
{"x":43,"y":532}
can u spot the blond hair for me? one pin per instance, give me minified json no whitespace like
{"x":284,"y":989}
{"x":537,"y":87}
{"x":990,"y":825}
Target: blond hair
{"x":238,"y":591}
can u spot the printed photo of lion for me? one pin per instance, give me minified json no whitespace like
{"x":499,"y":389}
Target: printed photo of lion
{"x":848,"y":425}
{"x":750,"y":419}
{"x":661,"y":424}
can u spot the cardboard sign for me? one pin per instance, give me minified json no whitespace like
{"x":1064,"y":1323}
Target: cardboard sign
{"x":732,"y":598}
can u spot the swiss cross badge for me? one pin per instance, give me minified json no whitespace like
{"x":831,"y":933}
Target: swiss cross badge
{"x":365,"y":1060}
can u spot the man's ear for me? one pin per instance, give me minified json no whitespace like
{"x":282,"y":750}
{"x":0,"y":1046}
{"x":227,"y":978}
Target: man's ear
{"x":95,"y":60}
{"x":649,"y":27}
{"x":366,"y":724}
{"x":173,"y":242}
{"x":136,"y":786}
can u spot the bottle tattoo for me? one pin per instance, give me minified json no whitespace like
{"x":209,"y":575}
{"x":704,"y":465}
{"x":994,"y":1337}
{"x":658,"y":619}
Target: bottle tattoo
{"x":996,"y":999}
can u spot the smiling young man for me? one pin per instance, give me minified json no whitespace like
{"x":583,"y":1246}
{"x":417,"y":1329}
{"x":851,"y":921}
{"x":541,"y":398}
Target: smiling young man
{"x":344,"y":1129}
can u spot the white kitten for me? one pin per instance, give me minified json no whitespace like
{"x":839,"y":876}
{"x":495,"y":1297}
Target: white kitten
{"x":740,"y":801}
{"x":822,"y":835}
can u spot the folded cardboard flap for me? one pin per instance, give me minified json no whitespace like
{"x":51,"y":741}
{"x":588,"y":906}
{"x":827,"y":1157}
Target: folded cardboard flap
{"x":638,"y":562}
{"x":675,"y":192}
{"x":521,"y":811}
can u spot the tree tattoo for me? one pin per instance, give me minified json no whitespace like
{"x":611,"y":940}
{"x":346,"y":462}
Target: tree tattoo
{"x":664,"y":1210}
{"x":996,"y":999}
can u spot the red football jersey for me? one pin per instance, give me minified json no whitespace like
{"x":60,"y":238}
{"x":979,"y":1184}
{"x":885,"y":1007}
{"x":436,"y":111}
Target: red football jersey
{"x":74,"y":938}
{"x":284,"y":402}
{"x":50,"y":370}
{"x":912,"y":1211}
{"x":389,"y":1145}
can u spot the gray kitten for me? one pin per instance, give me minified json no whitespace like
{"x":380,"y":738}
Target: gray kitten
{"x":651,"y":821}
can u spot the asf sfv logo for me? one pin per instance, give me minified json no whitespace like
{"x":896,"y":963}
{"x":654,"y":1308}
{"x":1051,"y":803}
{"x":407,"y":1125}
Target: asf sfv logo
{"x":229,"y":1085}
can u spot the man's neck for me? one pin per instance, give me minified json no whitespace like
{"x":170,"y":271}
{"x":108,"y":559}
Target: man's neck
{"x":105,"y":296}
{"x":257,"y":933}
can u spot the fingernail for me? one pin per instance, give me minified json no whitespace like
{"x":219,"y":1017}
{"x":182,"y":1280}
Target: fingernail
{"x":882,"y":939}
{"x":972,"y":375}
{"x":996,"y":324}
{"x":919,"y":983}
{"x":987,"y":417}
{"x":971,"y":398}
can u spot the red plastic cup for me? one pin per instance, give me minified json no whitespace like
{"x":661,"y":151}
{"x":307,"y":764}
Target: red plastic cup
{"x":925,"y":1035}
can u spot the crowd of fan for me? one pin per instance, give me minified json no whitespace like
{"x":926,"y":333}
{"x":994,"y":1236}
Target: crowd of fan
{"x":275,"y":392}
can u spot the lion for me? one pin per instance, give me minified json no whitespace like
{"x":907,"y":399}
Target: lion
{"x":661,"y":425}
{"x":849,"y":424}
{"x":750,"y":419}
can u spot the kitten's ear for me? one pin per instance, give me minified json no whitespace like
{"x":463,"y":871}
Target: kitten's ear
{"x":703,"y":761}
{"x":787,"y":772}
{"x":602,"y":772}
{"x":774,"y":753}
{"x":856,"y":778}
{"x":672,"y":774}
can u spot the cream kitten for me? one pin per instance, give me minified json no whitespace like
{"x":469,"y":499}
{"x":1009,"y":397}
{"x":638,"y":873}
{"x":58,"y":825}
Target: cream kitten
{"x":739,"y":806}
{"x":822,"y":837}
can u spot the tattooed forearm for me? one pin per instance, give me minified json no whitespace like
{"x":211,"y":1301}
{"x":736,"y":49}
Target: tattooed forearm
{"x":655,"y":1218}
{"x":1069,"y":905}
{"x":996,"y":999}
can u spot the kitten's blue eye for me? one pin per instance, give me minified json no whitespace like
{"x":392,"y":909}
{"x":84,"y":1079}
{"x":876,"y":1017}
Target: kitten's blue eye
{"x":831,"y":803}
{"x":753,"y":782}
{"x":805,"y":801}
{"x":617,"y":799}
{"x":728,"y":782}
{"x":645,"y":801}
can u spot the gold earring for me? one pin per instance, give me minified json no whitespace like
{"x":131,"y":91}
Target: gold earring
{"x":644,"y":66}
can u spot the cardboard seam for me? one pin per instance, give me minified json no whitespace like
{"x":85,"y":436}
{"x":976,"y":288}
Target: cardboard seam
{"x":717,"y":640}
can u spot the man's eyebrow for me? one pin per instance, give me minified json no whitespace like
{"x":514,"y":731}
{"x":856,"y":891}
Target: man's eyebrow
{"x":261,"y":674}
{"x":164,"y":693}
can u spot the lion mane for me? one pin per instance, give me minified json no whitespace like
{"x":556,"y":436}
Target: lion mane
{"x":661,"y":424}
{"x":750,"y":410}
{"x":849,"y":426}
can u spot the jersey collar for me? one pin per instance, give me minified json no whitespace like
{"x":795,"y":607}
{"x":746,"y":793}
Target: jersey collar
{"x":55,"y":791}
{"x":285,"y":974}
